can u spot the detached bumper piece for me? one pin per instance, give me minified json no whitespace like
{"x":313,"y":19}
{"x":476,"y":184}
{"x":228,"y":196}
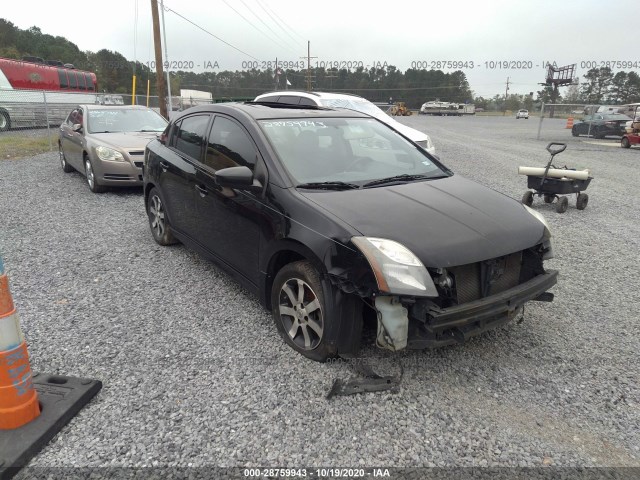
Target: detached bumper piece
{"x":61,"y":398}
{"x":432,"y":326}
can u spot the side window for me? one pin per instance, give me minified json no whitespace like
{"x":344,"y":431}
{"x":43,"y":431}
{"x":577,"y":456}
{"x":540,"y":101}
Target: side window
{"x":73,"y":82}
{"x":89,"y":81}
{"x":272,"y":98}
{"x":190,"y":135}
{"x":290,"y":99}
{"x":73,"y":117}
{"x":307,"y":101}
{"x":64,"y":81}
{"x":229,"y":146}
{"x":81,"y":84}
{"x":79,"y":116}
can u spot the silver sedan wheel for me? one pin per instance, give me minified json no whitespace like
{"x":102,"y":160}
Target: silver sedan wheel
{"x":91,"y":179}
{"x":301,"y":314}
{"x":156,"y":211}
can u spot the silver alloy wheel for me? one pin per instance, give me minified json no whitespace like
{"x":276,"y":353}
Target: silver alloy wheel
{"x":156,"y":211}
{"x":89,"y":170}
{"x":301,"y":314}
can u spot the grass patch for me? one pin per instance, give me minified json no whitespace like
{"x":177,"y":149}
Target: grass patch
{"x":14,"y":147}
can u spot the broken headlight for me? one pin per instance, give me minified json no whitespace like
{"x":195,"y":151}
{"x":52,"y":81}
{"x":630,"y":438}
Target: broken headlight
{"x":546,"y":238}
{"x":397,"y":270}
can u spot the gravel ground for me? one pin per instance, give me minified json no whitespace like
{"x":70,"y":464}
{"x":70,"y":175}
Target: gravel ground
{"x":195,"y":373}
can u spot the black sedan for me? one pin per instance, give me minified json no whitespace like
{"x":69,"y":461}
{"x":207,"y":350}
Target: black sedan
{"x":601,"y":125}
{"x":327,"y":215}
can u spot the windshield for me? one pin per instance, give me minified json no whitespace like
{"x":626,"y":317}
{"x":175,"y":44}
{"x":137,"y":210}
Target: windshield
{"x":355,"y":104}
{"x":125,"y":120}
{"x":350,"y":150}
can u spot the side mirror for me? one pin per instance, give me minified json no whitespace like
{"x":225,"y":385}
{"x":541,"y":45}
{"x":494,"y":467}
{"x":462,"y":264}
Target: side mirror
{"x":77,"y":127}
{"x":237,"y":177}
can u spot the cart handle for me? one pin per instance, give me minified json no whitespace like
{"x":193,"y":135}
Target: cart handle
{"x":555,"y":151}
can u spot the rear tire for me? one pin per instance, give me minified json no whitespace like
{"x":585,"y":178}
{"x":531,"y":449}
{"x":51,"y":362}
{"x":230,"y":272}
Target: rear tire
{"x":66,"y":168}
{"x":581,"y":202}
{"x":624,"y":143}
{"x":158,"y":221}
{"x":548,"y":198}
{"x":574,"y":132}
{"x":527,"y":198}
{"x":5,"y":121}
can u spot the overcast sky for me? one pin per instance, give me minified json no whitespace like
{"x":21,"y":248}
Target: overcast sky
{"x":528,"y":33}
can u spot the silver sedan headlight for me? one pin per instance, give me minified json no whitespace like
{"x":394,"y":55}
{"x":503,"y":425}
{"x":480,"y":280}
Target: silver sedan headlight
{"x":109,"y":154}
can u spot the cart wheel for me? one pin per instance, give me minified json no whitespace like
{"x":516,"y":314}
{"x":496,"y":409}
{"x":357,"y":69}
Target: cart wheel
{"x":527,"y":198}
{"x":548,"y":198}
{"x":581,"y":202}
{"x":562,"y":205}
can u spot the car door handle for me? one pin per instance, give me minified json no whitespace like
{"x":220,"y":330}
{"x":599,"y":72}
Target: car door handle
{"x":164,"y":166}
{"x":202,"y":191}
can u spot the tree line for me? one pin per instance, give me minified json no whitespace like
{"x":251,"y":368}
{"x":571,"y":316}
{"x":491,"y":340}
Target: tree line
{"x":378,"y":84}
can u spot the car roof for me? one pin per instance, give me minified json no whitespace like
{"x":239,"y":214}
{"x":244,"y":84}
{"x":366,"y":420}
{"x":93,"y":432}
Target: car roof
{"x":92,"y":106}
{"x":265,"y":111}
{"x":314,"y":95}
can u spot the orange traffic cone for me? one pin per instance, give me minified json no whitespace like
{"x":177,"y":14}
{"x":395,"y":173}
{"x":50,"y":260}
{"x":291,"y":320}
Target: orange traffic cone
{"x":569,"y":122}
{"x":18,"y":399}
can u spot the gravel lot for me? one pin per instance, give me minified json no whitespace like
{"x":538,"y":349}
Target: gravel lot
{"x":195,"y":373}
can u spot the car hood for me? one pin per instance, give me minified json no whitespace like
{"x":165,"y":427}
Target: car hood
{"x":445,"y":222}
{"x":123,"y":140}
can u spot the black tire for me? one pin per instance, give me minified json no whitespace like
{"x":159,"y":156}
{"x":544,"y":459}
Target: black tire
{"x":66,"y":168}
{"x":94,"y":186}
{"x":300,"y":311}
{"x":574,"y":132}
{"x":527,"y":198}
{"x":158,"y":221}
{"x":582,"y":201}
{"x":548,"y":198}
{"x":5,"y":121}
{"x":563,"y":203}
{"x":624,"y":143}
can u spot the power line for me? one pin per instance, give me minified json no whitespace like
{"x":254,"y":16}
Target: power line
{"x":285,"y":23}
{"x":209,"y":33}
{"x":264,"y":23}
{"x":275,"y":20}
{"x":250,"y":23}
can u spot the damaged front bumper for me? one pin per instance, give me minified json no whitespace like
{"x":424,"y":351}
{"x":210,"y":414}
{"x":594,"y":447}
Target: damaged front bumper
{"x":436,"y":327}
{"x":431,"y":326}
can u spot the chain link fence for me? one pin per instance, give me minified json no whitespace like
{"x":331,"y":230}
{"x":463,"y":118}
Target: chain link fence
{"x":562,"y":122}
{"x":29,"y":119}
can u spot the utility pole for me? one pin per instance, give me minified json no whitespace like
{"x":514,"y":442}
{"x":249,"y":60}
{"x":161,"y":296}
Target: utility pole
{"x":277,"y":76}
{"x":308,"y":59}
{"x":162,"y":95}
{"x":506,"y":95}
{"x":166,"y":56}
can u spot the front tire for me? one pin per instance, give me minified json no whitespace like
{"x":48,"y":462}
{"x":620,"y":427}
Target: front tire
{"x":158,"y":221}
{"x":527,"y":198}
{"x":91,"y":177}
{"x":625,"y":143}
{"x":300,"y":311}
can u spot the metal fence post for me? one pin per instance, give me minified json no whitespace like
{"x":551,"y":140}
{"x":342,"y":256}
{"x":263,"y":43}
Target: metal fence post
{"x":46,"y":113}
{"x":541,"y":117}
